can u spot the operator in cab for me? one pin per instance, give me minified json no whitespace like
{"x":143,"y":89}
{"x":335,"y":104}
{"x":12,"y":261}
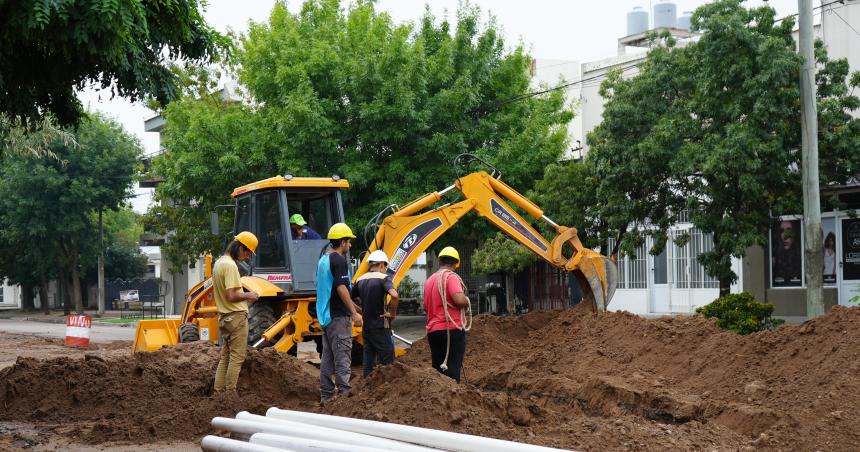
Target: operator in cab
{"x":301,"y":230}
{"x":232,"y":305}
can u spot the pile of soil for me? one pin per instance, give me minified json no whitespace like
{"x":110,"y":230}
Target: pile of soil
{"x":569,"y":379}
{"x":148,"y":397}
{"x":577,"y":380}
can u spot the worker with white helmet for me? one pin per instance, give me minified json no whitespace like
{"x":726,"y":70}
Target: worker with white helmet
{"x":232,"y":303}
{"x":370,"y":292}
{"x":336,"y":313}
{"x":448,"y":315}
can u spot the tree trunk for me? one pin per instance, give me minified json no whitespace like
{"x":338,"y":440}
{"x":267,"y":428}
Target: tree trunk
{"x":63,"y":283}
{"x":76,"y":286}
{"x":725,"y":287}
{"x":27,"y":303}
{"x":43,"y":296}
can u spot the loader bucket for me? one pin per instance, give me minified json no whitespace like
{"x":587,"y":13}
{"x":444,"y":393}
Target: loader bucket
{"x":152,"y":335}
{"x":598,"y":277}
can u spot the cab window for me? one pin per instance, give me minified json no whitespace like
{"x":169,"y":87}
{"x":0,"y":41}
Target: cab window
{"x":316,"y":208}
{"x":270,"y":250}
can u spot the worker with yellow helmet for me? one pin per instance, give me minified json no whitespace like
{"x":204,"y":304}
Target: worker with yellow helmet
{"x":448,"y":315}
{"x":232,"y":305}
{"x":336,"y":313}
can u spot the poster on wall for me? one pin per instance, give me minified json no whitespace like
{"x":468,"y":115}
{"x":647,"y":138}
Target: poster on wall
{"x":828,"y":238}
{"x":786,"y":255}
{"x":851,"y":249}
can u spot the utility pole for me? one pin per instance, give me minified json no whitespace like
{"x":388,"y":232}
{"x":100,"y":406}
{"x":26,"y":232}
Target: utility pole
{"x":101,"y":264}
{"x":813,"y":253}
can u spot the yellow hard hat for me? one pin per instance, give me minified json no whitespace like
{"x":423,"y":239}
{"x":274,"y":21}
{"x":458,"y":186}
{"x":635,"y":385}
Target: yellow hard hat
{"x":450,"y":252}
{"x":249,"y":240}
{"x":340,"y":231}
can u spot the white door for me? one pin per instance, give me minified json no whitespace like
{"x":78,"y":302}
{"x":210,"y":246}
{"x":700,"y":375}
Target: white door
{"x":849,"y":286}
{"x":660,"y":295}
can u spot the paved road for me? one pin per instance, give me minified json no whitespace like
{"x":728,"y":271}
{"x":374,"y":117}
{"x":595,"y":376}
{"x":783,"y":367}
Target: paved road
{"x":410,"y":327}
{"x":99,"y":333}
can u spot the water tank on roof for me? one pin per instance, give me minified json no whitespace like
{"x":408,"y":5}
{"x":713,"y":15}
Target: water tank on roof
{"x":637,"y":21}
{"x":684,"y":21}
{"x":664,"y":15}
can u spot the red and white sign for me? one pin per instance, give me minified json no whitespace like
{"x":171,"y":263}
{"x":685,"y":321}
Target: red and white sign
{"x":277,"y":277}
{"x":78,"y":331}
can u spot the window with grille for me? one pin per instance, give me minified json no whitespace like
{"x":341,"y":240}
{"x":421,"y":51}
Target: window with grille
{"x":632,"y":269}
{"x":687,"y":272}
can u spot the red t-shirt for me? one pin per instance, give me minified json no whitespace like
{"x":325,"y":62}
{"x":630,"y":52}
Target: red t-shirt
{"x":433,"y":302}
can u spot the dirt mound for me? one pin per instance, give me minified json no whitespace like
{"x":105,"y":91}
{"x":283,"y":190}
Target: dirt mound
{"x":567,"y":379}
{"x":148,"y":396}
{"x":578,"y":380}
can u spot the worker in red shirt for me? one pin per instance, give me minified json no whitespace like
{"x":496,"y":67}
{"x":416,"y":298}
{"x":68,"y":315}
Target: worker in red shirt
{"x":449,"y":315}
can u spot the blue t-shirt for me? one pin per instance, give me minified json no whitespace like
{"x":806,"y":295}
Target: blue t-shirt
{"x":332,"y":271}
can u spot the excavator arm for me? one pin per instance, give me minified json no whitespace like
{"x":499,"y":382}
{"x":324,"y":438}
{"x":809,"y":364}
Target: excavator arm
{"x":408,"y":232}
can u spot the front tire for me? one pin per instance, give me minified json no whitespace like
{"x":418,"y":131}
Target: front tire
{"x":188,"y":332}
{"x":261,"y":316}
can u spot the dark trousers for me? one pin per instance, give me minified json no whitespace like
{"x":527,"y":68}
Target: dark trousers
{"x":377,"y":344}
{"x":438,"y":341}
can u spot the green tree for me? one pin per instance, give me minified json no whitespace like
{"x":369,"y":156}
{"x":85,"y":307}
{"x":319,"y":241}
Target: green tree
{"x":713,"y":128}
{"x":46,"y":205}
{"x":50,"y":48}
{"x":33,"y":138}
{"x":123,"y":257}
{"x":344,"y":90}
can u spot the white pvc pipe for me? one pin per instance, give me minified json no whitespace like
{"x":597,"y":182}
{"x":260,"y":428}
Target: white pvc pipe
{"x":212,"y":443}
{"x":329,"y":434}
{"x":306,"y":445}
{"x":416,"y":435}
{"x":302,"y":430}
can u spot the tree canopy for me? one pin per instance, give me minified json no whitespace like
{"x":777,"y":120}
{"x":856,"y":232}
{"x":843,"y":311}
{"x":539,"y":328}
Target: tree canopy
{"x":47,"y":205}
{"x":711,"y":129}
{"x":344,"y":90}
{"x":48,"y":49}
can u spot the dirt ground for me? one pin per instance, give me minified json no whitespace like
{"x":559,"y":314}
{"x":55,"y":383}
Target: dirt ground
{"x":566,"y":379}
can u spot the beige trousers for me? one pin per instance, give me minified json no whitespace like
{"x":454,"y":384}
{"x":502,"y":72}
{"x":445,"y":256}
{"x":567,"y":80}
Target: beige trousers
{"x":233,"y":328}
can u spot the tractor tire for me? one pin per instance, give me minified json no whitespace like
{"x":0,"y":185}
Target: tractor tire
{"x":261,"y":316}
{"x":188,"y":332}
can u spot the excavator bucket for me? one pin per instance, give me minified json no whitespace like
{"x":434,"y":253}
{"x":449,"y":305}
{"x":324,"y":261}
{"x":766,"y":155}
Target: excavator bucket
{"x":152,"y":335}
{"x":598,"y":277}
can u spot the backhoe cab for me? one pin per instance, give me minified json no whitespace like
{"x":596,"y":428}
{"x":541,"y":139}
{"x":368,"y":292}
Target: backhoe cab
{"x":282,"y":272}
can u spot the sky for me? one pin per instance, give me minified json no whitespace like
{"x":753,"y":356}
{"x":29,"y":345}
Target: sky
{"x":553,"y":29}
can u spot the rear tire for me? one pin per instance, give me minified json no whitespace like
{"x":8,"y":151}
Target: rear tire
{"x":261,"y":316}
{"x":188,"y":332}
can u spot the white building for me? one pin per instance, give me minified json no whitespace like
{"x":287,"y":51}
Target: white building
{"x":674,"y":281}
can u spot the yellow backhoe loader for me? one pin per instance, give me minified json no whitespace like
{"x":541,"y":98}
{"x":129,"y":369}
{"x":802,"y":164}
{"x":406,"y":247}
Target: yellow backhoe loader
{"x":284,"y":269}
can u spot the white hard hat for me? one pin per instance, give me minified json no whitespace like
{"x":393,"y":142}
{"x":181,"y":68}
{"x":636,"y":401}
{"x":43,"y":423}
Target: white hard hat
{"x":378,"y":256}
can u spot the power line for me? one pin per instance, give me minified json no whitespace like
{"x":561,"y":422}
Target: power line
{"x":520,"y":97}
{"x":846,"y":22}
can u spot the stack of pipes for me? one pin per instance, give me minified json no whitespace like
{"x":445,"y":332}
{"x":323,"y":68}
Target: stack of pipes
{"x":281,"y":430}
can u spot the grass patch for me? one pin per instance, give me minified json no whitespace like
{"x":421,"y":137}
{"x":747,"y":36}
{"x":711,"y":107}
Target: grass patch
{"x":121,"y":321}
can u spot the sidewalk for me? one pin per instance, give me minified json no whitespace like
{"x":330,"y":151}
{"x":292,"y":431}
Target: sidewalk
{"x":110,"y":318}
